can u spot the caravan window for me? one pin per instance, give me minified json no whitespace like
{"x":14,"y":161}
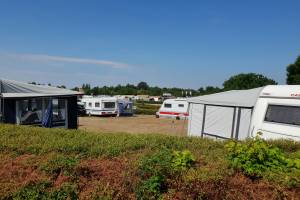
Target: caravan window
{"x":283,"y":114}
{"x":90,"y":104}
{"x":168,"y":105}
{"x":97,"y":104}
{"x":181,"y":105}
{"x":109,"y":104}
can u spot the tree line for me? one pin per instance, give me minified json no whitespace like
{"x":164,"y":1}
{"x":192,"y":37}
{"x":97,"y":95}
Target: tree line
{"x":236,"y":82}
{"x":240,"y":81}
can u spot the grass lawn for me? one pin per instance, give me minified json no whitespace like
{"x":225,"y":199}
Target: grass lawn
{"x":39,"y":163}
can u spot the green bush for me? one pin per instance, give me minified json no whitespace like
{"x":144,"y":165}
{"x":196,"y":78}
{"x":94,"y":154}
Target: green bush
{"x":155,"y":168}
{"x":255,"y":157}
{"x":183,"y":160}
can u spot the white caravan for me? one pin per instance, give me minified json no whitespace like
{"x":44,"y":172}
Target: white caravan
{"x":173,"y":108}
{"x":272,"y":110}
{"x":99,"y":105}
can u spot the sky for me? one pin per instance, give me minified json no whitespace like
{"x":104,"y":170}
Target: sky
{"x":167,"y":43}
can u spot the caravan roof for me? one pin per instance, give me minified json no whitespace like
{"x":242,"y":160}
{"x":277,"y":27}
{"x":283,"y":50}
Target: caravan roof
{"x":15,"y":89}
{"x":248,"y":98}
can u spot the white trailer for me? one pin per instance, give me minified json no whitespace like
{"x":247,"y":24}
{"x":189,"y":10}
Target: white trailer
{"x":173,"y":108}
{"x":272,"y":110}
{"x":100,"y":105}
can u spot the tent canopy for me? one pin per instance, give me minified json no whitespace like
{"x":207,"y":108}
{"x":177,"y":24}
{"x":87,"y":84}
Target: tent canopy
{"x":239,"y":98}
{"x":15,"y":89}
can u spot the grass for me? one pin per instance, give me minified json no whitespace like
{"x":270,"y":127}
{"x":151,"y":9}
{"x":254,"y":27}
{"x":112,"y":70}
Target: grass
{"x":146,"y":108}
{"x":73,"y":164}
{"x":42,"y":141}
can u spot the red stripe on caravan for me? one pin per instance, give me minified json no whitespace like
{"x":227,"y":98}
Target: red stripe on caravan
{"x":173,"y":113}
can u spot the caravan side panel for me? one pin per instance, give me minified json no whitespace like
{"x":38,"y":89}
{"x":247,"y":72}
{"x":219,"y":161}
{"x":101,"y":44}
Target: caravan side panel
{"x":195,"y":119}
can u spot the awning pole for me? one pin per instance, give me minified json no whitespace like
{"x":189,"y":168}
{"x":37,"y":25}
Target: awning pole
{"x":203,"y":120}
{"x":0,"y":108}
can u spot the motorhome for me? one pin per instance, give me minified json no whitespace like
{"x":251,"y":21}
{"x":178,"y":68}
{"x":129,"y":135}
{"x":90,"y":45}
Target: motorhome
{"x":273,"y":111}
{"x":173,"y":108}
{"x":100,"y":105}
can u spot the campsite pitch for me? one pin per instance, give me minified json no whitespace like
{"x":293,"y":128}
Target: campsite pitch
{"x":143,"y":124}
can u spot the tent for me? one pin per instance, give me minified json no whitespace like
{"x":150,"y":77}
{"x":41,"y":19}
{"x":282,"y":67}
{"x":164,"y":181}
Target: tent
{"x":222,"y":115}
{"x":23,"y":103}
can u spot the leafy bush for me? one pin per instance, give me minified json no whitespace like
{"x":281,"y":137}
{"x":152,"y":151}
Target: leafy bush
{"x":183,"y":160}
{"x":155,"y":168}
{"x":254,"y":157}
{"x":150,"y":188}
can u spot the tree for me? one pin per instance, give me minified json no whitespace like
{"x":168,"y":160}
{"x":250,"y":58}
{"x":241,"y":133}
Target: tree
{"x":61,"y":86}
{"x":247,"y":81}
{"x":143,"y":86}
{"x":208,"y":90}
{"x":293,"y":73}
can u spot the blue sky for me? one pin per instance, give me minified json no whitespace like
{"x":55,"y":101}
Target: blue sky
{"x":165,"y":43}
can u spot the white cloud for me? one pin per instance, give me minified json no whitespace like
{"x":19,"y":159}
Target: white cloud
{"x":62,"y":59}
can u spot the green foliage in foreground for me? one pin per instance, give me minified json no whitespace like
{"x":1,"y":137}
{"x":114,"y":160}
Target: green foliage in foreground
{"x":34,"y":140}
{"x":60,"y":164}
{"x":256,"y":158}
{"x":155,"y":168}
{"x":42,"y":191}
{"x":162,"y":160}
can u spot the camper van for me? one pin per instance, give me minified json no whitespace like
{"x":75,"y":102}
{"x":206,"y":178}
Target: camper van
{"x":100,"y":105}
{"x":173,"y":108}
{"x":273,"y":111}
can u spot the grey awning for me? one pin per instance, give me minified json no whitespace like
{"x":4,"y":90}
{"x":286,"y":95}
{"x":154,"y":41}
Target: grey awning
{"x":15,"y":89}
{"x":240,"y":98}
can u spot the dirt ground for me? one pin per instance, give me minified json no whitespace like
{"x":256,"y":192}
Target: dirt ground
{"x":143,"y":124}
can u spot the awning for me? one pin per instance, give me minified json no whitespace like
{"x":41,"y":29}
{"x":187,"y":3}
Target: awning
{"x":15,"y":89}
{"x":239,"y":98}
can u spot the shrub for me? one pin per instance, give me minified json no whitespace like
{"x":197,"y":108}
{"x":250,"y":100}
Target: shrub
{"x":183,"y":160}
{"x":155,"y":168}
{"x":254,"y":157}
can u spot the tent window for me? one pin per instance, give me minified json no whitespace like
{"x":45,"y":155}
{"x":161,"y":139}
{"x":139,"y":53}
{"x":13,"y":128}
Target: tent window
{"x":283,"y":114}
{"x":59,"y":111}
{"x":30,"y":111}
{"x":97,"y":104}
{"x":168,"y":105}
{"x":181,"y":105}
